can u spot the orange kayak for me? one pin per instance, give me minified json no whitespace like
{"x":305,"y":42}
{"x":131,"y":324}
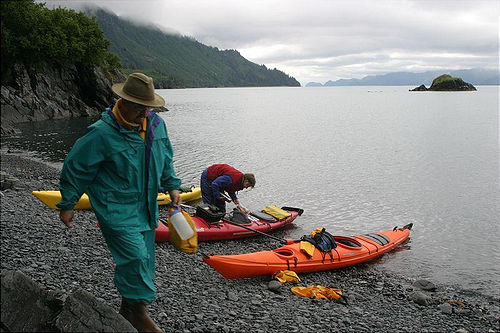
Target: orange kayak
{"x":349,"y":251}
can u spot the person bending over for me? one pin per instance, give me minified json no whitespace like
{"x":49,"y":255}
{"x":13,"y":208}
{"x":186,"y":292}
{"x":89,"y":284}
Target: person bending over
{"x":218,"y":178}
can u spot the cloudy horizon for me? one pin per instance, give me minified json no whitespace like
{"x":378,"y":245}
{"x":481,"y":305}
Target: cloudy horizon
{"x":325,"y":40}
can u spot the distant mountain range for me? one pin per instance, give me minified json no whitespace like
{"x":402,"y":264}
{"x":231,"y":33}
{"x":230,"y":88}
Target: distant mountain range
{"x":176,"y":61}
{"x":476,"y":76}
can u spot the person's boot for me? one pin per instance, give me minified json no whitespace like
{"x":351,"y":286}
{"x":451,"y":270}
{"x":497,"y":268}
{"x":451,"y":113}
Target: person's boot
{"x":137,"y":315}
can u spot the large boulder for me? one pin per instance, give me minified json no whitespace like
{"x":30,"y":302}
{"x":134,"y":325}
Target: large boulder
{"x":424,"y":285}
{"x":419,"y":88}
{"x":7,"y":181}
{"x":53,"y":90}
{"x":26,"y":307}
{"x":82,"y":312}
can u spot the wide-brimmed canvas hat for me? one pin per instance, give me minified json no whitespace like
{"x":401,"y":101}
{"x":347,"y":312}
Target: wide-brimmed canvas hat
{"x":139,"y":89}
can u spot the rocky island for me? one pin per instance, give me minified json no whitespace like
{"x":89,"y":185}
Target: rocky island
{"x":447,"y":82}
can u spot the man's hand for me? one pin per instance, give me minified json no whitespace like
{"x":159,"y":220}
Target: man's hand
{"x":243,"y":209}
{"x":224,"y":198}
{"x":67,"y":216}
{"x":175,"y":196}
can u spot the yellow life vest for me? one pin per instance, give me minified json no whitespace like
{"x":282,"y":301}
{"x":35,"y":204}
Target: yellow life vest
{"x":287,"y":276}
{"x":307,"y":248}
{"x":318,"y":292}
{"x":278,"y":213}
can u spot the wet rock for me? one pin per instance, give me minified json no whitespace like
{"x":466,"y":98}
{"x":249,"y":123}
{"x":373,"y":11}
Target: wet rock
{"x":445,"y":308}
{"x":354,"y":296}
{"x":346,"y":321}
{"x":256,"y":302}
{"x":20,"y":295}
{"x":54,"y":90}
{"x":54,"y":311}
{"x":7,"y":181}
{"x":424,"y":285}
{"x":419,"y":88}
{"x":420,"y":298}
{"x":232,"y":296}
{"x":82,"y":312}
{"x":274,"y":286}
{"x":462,"y":312}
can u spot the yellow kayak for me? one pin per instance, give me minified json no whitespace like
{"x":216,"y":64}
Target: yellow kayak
{"x":51,"y":198}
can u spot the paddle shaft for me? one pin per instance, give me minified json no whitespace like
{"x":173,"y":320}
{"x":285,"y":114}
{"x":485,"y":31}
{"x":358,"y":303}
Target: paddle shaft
{"x":228,"y":198}
{"x":225,"y":196}
{"x":281,"y":240}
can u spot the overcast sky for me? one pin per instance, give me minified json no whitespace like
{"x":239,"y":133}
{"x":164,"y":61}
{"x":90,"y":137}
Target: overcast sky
{"x":320,"y":40}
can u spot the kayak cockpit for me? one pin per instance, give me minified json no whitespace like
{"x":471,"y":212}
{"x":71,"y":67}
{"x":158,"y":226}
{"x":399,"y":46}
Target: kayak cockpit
{"x":348,"y":242}
{"x":284,"y":253}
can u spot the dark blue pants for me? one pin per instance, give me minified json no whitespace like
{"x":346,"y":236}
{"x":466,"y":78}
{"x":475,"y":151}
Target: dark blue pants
{"x":207,"y":195}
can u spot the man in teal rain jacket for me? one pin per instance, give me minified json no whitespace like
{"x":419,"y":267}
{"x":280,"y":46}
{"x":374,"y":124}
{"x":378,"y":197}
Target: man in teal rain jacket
{"x":121,"y":162}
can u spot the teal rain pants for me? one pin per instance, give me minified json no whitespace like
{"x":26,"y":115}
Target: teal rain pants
{"x":134,"y":256}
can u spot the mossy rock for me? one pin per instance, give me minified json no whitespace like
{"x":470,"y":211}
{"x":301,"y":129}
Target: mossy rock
{"x":446,"y":82}
{"x":419,"y":88}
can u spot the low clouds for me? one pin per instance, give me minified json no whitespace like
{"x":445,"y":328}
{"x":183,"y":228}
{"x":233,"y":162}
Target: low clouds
{"x":327,"y":40}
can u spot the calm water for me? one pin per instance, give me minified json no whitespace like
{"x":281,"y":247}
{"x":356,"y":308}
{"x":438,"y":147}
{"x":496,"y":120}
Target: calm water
{"x":356,"y":159}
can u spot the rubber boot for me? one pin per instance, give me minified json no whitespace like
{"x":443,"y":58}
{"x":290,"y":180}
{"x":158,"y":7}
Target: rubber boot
{"x":137,"y":315}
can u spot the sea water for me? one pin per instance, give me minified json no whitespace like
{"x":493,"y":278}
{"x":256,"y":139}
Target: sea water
{"x":356,"y":159}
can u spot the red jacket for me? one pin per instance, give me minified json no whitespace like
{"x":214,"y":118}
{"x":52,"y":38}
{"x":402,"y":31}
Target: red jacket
{"x":217,"y":170}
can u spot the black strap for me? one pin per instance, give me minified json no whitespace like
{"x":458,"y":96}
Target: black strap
{"x":380,"y":239}
{"x":332,"y":259}
{"x":384,"y":237}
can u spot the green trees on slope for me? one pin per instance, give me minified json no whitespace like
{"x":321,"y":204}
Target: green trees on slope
{"x":31,"y":33}
{"x":183,"y":60}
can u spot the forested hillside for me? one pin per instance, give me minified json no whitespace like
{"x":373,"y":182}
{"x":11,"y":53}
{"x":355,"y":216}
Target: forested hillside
{"x":32,"y":34}
{"x":178,"y":61}
{"x":55,"y":64}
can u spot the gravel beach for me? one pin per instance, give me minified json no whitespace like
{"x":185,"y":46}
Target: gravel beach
{"x":194,"y":298}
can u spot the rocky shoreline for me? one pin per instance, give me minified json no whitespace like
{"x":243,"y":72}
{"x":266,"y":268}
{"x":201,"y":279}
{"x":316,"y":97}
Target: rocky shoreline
{"x":194,"y":298}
